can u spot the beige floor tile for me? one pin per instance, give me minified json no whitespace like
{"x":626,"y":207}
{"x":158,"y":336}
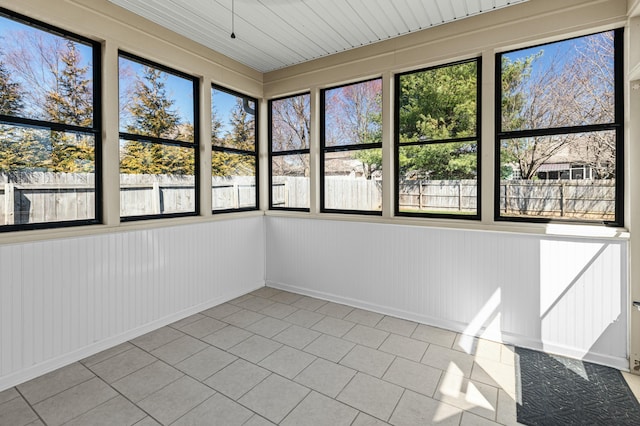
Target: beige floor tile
{"x":413,"y":375}
{"x":414,"y":409}
{"x":469,"y":419}
{"x":255,"y":303}
{"x":74,"y":402}
{"x":257,"y":420}
{"x":475,"y":397}
{"x":203,"y":327}
{"x":216,"y":411}
{"x":287,"y":361}
{"x":179,"y":349}
{"x":268,"y":327}
{"x":221,"y":311}
{"x":274,"y":397}
{"x":8,"y":395}
{"x":266,"y":292}
{"x":397,"y":326}
{"x":227,"y":337}
{"x":55,"y":382}
{"x":286,"y":297}
{"x":142,"y":383}
{"x":116,"y":411}
{"x":147,"y":421}
{"x":106,"y":354}
{"x":364,"y":419}
{"x":507,"y":409}
{"x":333,"y":326}
{"x":335,"y":310}
{"x":373,"y":396}
{"x":243,"y":318}
{"x":255,"y":348}
{"x":186,"y":321}
{"x":296,"y":337}
{"x":309,"y":303}
{"x":304,"y":318}
{"x":364,"y":317}
{"x":174,"y":400}
{"x":157,"y":338}
{"x":237,"y":378}
{"x":325,"y":377}
{"x":405,"y":347}
{"x":367,"y":360}
{"x":318,"y":410}
{"x":448,"y":360}
{"x":16,"y":412}
{"x":329,"y":347}
{"x":633,"y":380}
{"x":436,"y":335}
{"x":366,"y":336}
{"x":123,"y":364}
{"x":496,"y":374}
{"x":278,"y":310}
{"x":205,"y":363}
{"x":478,"y":347}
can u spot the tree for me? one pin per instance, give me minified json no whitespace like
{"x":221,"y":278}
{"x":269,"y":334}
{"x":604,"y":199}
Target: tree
{"x":290,"y":127}
{"x":152,"y":114}
{"x":437,"y":105}
{"x":71,"y":102}
{"x":241,"y":136}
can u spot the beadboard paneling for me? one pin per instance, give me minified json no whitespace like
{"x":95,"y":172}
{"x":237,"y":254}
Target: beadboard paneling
{"x":62,"y":300}
{"x":563,"y":295}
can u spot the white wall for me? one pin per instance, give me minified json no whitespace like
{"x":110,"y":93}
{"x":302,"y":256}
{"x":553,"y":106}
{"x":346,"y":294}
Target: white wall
{"x":561,"y":294}
{"x":62,"y":300}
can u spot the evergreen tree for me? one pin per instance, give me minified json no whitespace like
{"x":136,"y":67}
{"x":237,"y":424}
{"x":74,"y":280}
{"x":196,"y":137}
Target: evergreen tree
{"x":241,"y":136}
{"x":71,"y":102}
{"x":153,"y":115}
{"x":10,"y":96}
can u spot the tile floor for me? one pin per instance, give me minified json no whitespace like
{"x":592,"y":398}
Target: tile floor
{"x":274,"y":357}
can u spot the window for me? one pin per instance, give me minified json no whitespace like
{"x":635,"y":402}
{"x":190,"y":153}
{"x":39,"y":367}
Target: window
{"x":50,"y":126}
{"x":234,"y":120}
{"x":158,"y":140}
{"x":436,"y":141}
{"x":560,"y":131}
{"x":351,"y":147}
{"x":290,"y":118}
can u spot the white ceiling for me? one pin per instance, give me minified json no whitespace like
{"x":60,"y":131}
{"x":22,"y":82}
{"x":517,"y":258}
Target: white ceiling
{"x":273,"y":34}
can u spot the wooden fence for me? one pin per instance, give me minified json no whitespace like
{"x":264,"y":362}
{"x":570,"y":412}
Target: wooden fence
{"x":48,"y":197}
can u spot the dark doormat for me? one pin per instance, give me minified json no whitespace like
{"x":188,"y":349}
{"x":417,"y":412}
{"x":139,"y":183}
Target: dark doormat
{"x":562,"y":391}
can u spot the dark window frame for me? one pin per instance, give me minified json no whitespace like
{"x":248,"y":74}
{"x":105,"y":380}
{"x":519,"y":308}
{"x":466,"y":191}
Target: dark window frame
{"x":477,"y":138}
{"x":617,"y":126}
{"x":324,"y":149}
{"x":195,"y":145}
{"x":95,"y":130}
{"x":254,"y":153}
{"x":273,"y":153}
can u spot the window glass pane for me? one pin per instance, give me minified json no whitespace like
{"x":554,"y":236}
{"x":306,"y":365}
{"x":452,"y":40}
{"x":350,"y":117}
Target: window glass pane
{"x":44,"y":76}
{"x":156,"y":179}
{"x":154,"y":102}
{"x":290,"y":181}
{"x":571,"y":176}
{"x":353,"y":180}
{"x":438,"y":103}
{"x":353,"y":114}
{"x":233,"y":181}
{"x":438,"y":178}
{"x":233,"y":121}
{"x":568,"y":83}
{"x":290,"y":121}
{"x":45,"y":176}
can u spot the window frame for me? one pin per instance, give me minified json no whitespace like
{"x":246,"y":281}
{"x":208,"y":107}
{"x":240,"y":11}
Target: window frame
{"x":254,"y":153}
{"x":95,"y":130}
{"x":195,"y":145}
{"x":273,"y":153}
{"x":616,"y":126}
{"x":477,"y":138}
{"x":324,"y":150}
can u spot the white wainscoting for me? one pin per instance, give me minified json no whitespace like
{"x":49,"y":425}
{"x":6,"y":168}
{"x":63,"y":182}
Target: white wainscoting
{"x":62,"y":300}
{"x":560,"y":294}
